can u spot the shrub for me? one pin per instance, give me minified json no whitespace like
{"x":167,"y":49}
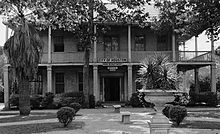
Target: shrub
{"x":36,"y":101}
{"x":175,"y":113}
{"x":14,"y":100}
{"x":66,"y":101}
{"x":91,"y":101}
{"x":181,"y":99}
{"x":76,"y":97}
{"x":65,"y":115}
{"x":48,"y":100}
{"x":1,"y":96}
{"x":209,"y":98}
{"x":134,"y":100}
{"x":75,"y":106}
{"x":99,"y":104}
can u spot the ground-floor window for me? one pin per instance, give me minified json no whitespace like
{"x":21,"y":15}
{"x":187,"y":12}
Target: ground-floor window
{"x":59,"y":83}
{"x":36,"y":85}
{"x":80,"y":81}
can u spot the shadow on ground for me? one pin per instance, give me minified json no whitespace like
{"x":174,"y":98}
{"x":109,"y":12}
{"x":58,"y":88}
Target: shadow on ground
{"x":40,"y":128}
{"x":199,"y":125}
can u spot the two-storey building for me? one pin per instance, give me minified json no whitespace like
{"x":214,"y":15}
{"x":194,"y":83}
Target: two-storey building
{"x":114,"y":61}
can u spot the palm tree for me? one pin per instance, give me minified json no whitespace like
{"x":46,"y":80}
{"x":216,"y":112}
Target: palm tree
{"x":23,"y":51}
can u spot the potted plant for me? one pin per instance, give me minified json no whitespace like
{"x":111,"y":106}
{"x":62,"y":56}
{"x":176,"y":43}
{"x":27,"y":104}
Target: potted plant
{"x":158,"y":77}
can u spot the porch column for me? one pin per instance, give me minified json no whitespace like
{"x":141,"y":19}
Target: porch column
{"x":196,"y":80}
{"x":95,"y":83}
{"x":49,"y":78}
{"x":196,"y":46}
{"x":213,"y":67}
{"x":129,"y":43}
{"x":6,"y":87}
{"x":130,"y":81}
{"x":95,"y":46}
{"x":213,"y":78}
{"x":174,"y":47}
{"x":49,"y":45}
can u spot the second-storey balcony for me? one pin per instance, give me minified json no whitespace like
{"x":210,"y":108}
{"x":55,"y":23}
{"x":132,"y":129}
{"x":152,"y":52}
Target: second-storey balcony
{"x":136,"y":56}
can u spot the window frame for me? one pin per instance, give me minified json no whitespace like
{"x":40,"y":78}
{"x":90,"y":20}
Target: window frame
{"x":111,"y":37}
{"x":59,"y":83}
{"x":58,"y":44}
{"x":143,"y":45}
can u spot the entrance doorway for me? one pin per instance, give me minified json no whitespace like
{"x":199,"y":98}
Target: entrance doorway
{"x":112,"y":88}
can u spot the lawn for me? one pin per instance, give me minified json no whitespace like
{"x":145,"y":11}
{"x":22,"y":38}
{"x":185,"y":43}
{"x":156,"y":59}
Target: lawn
{"x":39,"y":128}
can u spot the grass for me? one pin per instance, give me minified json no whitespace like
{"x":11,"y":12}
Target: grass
{"x":199,"y":125}
{"x":32,"y":116}
{"x":40,"y":128}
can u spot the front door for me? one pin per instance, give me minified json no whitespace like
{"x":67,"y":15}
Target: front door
{"x":112,"y":88}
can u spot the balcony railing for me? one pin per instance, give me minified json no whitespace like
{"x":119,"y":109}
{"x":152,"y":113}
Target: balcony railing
{"x":122,"y":56}
{"x":138,"y":56}
{"x":194,"y":56}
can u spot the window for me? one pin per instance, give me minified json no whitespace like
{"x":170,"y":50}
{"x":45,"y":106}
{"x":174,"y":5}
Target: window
{"x":59,"y":83}
{"x":36,"y":85}
{"x":58,"y":44}
{"x":139,"y":43}
{"x":162,"y":43}
{"x":111,"y":43}
{"x":80,"y":81}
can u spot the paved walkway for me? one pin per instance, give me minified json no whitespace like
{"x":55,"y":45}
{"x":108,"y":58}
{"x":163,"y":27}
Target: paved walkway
{"x":105,"y":121}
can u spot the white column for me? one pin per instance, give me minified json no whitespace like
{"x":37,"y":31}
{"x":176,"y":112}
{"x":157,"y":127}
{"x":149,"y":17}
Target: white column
{"x":95,"y":83}
{"x":6,"y":87}
{"x":196,"y":46}
{"x":213,"y":67}
{"x":49,"y":78}
{"x":49,"y":45}
{"x":213,"y":78}
{"x":95,"y":45}
{"x":129,"y":43}
{"x":130,"y":81}
{"x":174,"y":47}
{"x":49,"y":67}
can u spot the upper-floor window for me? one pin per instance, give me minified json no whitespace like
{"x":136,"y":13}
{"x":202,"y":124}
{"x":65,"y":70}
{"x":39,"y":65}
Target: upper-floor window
{"x":111,"y":43}
{"x":162,"y":43}
{"x":59,"y":83}
{"x":139,"y":43}
{"x":58,"y":44}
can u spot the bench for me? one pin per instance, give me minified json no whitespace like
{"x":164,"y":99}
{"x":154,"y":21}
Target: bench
{"x":126,"y":117}
{"x":117,"y":108}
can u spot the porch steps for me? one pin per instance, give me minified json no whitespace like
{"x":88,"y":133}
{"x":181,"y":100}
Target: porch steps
{"x":110,"y":104}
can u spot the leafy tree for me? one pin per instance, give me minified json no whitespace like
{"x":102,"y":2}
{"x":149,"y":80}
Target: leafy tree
{"x":189,"y":18}
{"x":23,"y":48}
{"x":80,"y":16}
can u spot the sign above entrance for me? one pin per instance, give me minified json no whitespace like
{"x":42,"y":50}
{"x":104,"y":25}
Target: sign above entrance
{"x":112,"y":68}
{"x":112,"y":64}
{"x":112,"y":60}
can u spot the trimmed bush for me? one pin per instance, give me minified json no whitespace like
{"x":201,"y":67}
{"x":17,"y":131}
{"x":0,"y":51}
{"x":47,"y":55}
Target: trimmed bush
{"x":75,"y":106}
{"x":1,"y":97}
{"x":65,"y":115}
{"x":209,"y":98}
{"x":48,"y":100}
{"x":14,"y":100}
{"x":91,"y":101}
{"x":76,"y":97}
{"x":99,"y":104}
{"x":36,"y":101}
{"x":175,"y":113}
{"x":135,"y":101}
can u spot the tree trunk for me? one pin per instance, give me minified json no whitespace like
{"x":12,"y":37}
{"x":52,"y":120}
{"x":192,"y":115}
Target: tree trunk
{"x":86,"y":77}
{"x":24,"y":97}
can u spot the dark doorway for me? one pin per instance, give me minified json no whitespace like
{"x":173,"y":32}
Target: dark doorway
{"x":112,"y":88}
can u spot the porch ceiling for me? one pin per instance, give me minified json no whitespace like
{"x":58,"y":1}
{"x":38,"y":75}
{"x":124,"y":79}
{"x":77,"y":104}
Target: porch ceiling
{"x":185,"y":66}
